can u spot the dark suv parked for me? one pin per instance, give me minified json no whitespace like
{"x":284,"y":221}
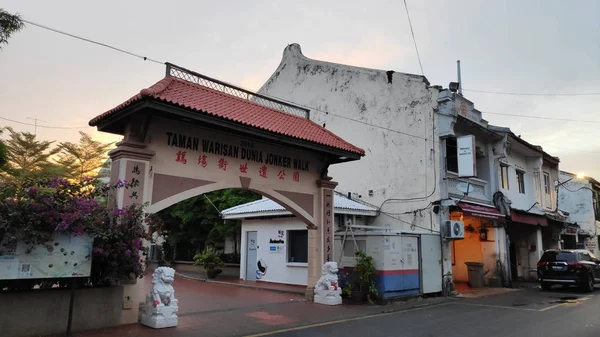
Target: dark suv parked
{"x":569,"y":267}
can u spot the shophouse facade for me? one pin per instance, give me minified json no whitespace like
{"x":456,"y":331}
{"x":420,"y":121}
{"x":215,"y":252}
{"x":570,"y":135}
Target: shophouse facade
{"x":526,"y":177}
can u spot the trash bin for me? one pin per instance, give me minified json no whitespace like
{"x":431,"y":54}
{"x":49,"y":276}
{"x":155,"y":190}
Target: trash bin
{"x":475,"y":274}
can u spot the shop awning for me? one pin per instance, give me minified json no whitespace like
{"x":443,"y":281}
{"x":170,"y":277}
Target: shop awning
{"x":528,"y":218}
{"x":480,"y":211}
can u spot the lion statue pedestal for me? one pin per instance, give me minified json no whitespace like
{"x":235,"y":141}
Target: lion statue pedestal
{"x":160,"y":309}
{"x":327,"y":290}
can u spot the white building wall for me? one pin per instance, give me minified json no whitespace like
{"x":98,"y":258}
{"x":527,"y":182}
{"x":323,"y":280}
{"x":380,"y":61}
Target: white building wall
{"x":278,"y":269}
{"x":401,"y":159}
{"x":521,"y":201}
{"x":550,"y":201}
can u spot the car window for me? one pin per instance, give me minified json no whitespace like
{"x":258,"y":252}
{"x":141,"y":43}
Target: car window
{"x":594,"y":258}
{"x":585,"y":257}
{"x":558,"y":256}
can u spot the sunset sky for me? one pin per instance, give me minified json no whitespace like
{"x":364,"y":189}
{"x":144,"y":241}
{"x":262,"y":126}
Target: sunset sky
{"x":504,"y":46}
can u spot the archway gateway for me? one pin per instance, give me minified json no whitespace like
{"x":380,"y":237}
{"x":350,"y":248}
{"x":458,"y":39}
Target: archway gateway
{"x":189,"y":134}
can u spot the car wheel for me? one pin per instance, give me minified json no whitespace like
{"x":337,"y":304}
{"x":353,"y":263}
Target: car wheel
{"x":546,"y":286}
{"x":588,"y":283}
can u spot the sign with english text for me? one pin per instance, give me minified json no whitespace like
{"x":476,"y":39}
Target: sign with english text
{"x":467,"y":165}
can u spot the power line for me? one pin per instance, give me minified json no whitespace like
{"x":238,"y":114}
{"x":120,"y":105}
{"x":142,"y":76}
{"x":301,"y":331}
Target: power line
{"x":47,"y":127}
{"x":542,"y":117}
{"x":413,"y":36}
{"x":532,"y":94}
{"x":94,"y":42}
{"x":159,"y":62}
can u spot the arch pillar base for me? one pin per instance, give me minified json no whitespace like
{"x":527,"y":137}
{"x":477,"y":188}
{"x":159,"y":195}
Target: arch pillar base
{"x":320,"y":238}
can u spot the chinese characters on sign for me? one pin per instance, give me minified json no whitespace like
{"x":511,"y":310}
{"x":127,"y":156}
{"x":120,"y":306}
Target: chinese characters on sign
{"x":245,"y":151}
{"x":223,"y":164}
{"x":202,"y":160}
{"x":263,"y":171}
{"x":328,"y":226}
{"x":181,"y":157}
{"x":281,"y":174}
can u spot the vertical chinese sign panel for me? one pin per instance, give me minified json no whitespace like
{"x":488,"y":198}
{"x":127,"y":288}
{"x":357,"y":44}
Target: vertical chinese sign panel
{"x":135,"y":172}
{"x":328,"y":225}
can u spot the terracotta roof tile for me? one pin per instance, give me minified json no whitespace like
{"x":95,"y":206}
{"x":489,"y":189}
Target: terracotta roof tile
{"x":205,"y":100}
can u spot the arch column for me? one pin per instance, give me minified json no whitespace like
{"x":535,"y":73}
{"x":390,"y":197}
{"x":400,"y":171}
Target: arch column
{"x":321,"y":238}
{"x":130,"y":160}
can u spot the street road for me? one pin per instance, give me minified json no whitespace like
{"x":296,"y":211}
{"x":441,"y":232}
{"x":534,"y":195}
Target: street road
{"x":530,"y":312}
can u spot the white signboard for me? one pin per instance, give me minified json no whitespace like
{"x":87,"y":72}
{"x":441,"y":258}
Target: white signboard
{"x":465,"y":146}
{"x":65,"y":256}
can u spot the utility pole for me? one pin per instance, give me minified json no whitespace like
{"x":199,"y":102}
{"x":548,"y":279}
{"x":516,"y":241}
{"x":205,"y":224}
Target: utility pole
{"x":35,"y":120}
{"x":459,"y":77}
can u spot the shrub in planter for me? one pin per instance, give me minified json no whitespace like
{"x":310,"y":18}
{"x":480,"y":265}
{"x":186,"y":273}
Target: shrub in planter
{"x":362,"y":282}
{"x":210,"y":261}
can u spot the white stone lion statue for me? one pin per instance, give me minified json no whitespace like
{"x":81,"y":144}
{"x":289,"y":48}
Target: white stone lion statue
{"x":162,"y":293}
{"x":160,"y":309}
{"x":327,"y":289}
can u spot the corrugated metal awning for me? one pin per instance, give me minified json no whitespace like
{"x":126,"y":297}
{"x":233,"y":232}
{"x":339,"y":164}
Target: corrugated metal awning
{"x":528,"y":218}
{"x":480,"y":211}
{"x":267,"y":208}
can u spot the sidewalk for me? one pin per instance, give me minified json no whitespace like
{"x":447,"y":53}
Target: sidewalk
{"x":212,"y":309}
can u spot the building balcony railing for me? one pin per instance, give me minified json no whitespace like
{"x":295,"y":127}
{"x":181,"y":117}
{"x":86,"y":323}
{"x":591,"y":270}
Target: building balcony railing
{"x":477,"y":188}
{"x":205,"y":81}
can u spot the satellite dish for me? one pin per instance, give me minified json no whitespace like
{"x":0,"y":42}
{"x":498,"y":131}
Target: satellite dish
{"x":466,"y":188}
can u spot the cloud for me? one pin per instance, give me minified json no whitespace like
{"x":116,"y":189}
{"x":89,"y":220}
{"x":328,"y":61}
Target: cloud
{"x":378,"y":53}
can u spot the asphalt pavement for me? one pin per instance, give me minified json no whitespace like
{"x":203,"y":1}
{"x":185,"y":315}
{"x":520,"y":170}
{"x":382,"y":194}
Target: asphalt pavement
{"x":527,"y":312}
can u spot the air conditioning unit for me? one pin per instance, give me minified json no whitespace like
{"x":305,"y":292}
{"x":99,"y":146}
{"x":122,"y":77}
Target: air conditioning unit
{"x":454,"y":230}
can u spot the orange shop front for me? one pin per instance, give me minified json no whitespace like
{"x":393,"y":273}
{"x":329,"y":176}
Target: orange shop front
{"x":480,"y":243}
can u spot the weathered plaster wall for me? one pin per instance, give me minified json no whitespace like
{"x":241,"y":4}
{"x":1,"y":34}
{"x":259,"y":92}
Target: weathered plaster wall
{"x":348,"y":99}
{"x":578,"y":203}
{"x":278,"y":269}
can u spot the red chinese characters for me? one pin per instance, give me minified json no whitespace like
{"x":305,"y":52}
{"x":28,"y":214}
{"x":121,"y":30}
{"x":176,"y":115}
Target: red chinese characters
{"x":202,"y":160}
{"x":223,"y":164}
{"x":244,"y":168}
{"x":281,"y":175}
{"x":296,"y":176}
{"x":263,"y":171}
{"x":181,"y":157}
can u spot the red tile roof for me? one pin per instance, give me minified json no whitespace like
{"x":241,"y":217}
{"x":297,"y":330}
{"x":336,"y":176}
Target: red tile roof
{"x":205,"y":100}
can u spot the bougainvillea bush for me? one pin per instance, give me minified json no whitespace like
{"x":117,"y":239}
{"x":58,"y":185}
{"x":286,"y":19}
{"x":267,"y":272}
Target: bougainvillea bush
{"x":33,"y":212}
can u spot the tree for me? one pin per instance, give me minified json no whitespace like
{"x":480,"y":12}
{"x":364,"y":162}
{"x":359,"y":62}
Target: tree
{"x":9,"y":24}
{"x":3,"y":153}
{"x":28,"y":157}
{"x":84,"y":158}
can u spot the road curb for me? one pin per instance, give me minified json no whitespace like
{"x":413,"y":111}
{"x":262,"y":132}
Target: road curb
{"x":427,"y":303}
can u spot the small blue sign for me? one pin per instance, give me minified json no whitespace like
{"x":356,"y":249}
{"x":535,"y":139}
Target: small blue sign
{"x":273,"y":248}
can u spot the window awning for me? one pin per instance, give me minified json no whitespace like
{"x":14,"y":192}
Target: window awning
{"x":480,"y":211}
{"x":528,"y":218}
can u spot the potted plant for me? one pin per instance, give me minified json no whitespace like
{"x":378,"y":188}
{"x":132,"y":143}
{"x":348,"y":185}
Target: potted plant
{"x":211,"y":262}
{"x":362,"y":283}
